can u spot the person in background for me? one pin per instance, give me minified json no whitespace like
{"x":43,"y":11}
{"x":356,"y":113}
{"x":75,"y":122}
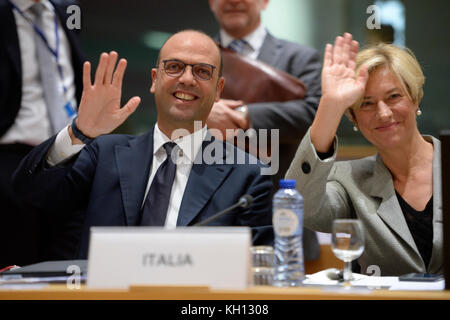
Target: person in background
{"x":241,"y":29}
{"x":176,"y":174}
{"x":396,"y":194}
{"x":40,"y":86}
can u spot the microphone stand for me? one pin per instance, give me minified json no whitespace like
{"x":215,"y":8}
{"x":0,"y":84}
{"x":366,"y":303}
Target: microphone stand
{"x":243,"y":202}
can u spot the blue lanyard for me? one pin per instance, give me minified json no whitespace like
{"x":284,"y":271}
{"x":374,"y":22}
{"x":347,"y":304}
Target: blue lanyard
{"x":55,"y":52}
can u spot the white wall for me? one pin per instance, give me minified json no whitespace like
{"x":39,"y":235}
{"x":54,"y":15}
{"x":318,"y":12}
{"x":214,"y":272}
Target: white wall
{"x":290,"y":20}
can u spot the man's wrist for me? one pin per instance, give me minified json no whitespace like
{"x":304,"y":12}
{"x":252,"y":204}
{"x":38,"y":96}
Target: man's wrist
{"x":74,"y":139}
{"x":64,"y":147}
{"x":78,"y":134}
{"x":244,"y":110}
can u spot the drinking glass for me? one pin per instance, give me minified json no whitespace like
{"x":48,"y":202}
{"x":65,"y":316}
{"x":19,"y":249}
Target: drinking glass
{"x":262,"y":265}
{"x":347,"y":242}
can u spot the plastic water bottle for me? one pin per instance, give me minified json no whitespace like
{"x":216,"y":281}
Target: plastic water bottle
{"x":288,"y":226}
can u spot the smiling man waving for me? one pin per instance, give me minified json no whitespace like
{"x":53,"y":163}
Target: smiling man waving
{"x":160,"y":178}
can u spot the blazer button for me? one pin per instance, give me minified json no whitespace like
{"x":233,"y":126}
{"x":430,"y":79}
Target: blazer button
{"x":306,"y":167}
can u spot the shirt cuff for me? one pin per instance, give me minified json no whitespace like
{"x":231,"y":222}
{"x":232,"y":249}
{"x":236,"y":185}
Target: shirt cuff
{"x":62,"y":149}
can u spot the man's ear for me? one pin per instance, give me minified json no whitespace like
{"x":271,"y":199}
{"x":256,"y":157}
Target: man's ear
{"x":154,"y":74}
{"x":220,"y":85}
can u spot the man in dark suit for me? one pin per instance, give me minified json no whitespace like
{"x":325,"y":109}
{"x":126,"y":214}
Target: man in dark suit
{"x":241,"y":30}
{"x":177,"y":174}
{"x":25,"y":117}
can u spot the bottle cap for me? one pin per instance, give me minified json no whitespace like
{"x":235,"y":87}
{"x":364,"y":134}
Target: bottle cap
{"x":288,"y":184}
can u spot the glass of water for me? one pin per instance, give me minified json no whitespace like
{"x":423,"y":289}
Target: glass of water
{"x":262,"y":265}
{"x":347,"y":242}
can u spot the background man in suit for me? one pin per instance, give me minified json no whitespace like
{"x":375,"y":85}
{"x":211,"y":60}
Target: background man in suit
{"x":26,"y":114}
{"x":241,"y":20}
{"x":154,"y":179}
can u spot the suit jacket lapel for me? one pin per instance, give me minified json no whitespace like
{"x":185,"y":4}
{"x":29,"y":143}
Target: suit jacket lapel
{"x":8,"y":32}
{"x":133,"y":165}
{"x":389,"y":209}
{"x":269,"y":50}
{"x":203,"y":181}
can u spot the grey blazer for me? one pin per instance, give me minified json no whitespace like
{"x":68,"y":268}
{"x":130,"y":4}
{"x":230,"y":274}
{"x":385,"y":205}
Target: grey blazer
{"x":364,"y":189}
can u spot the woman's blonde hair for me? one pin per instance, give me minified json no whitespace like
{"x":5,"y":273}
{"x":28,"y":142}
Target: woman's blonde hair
{"x":401,"y":62}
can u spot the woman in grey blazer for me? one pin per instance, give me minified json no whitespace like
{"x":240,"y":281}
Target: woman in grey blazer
{"x":397,"y":193}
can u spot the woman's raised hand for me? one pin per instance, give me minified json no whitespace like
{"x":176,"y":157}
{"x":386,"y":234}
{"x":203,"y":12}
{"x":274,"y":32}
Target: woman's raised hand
{"x":340,"y":89}
{"x":339,"y":82}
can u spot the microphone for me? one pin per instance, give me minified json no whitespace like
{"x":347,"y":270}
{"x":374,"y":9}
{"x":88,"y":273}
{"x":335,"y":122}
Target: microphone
{"x":244,"y":202}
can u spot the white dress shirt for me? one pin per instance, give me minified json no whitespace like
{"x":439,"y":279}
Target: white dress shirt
{"x":189,"y":146}
{"x":32,"y":124}
{"x":255,"y":41}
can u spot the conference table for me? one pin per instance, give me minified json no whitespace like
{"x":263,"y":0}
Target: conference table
{"x":140,"y":292}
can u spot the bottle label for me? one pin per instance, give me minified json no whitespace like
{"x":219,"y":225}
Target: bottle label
{"x":285,"y":222}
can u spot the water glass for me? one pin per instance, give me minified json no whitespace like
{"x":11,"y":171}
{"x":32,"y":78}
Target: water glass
{"x":262,"y":265}
{"x":347,"y":242}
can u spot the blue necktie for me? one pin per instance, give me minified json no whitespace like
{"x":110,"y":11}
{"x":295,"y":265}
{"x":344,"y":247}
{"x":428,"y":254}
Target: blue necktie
{"x":238,"y":45}
{"x":158,"y":197}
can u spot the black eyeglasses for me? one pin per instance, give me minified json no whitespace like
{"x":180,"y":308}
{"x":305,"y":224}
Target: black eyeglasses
{"x":201,"y":71}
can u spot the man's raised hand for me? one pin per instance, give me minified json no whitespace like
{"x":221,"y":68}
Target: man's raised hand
{"x":99,"y":111}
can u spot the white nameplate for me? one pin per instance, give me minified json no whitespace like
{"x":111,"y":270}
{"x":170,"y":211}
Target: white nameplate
{"x":213,"y":256}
